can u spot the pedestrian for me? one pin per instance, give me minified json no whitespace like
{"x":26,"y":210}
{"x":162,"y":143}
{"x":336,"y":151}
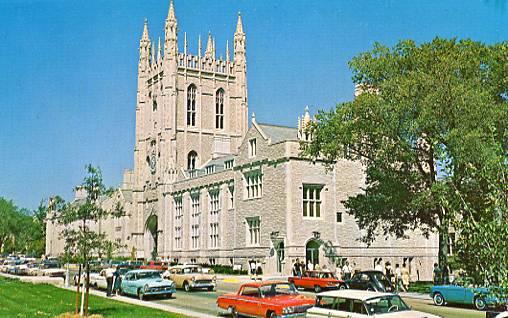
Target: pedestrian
{"x":295,"y":268}
{"x":379,"y":265}
{"x":317,"y":267}
{"x":436,"y":273}
{"x":346,"y":271}
{"x":252,"y":265}
{"x":117,"y":281}
{"x":108,"y":274}
{"x":389,"y":272}
{"x":405,"y":277}
{"x":398,"y":277}
{"x":310,"y":266}
{"x":338,"y":271}
{"x":302,"y":268}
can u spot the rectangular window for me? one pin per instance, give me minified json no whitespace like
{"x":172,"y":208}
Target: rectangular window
{"x":252,"y":148}
{"x":195,"y":221}
{"x":219,"y":109}
{"x":253,"y":226}
{"x":214,"y":218}
{"x":178,"y":222}
{"x":210,"y":169}
{"x":339,"y":217}
{"x":312,"y":200}
{"x":254,"y":185}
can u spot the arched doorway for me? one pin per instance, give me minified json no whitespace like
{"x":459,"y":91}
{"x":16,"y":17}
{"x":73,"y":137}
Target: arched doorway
{"x":312,"y":252}
{"x":151,"y":226}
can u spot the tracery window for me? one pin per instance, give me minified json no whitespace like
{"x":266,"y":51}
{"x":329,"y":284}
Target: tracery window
{"x":192,"y":158}
{"x":191,"y":105}
{"x":219,"y":109}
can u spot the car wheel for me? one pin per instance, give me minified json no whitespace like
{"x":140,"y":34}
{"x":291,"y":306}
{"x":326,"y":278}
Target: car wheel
{"x":342,"y":286}
{"x":479,"y":303}
{"x":210,"y":288}
{"x":232,"y":312}
{"x":140,"y":295}
{"x":271,"y":314}
{"x":317,"y":289}
{"x":186,"y":286}
{"x":169,"y":295}
{"x":438,"y":299}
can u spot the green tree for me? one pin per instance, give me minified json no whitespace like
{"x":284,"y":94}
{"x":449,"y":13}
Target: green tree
{"x":429,"y":118}
{"x":82,"y":242}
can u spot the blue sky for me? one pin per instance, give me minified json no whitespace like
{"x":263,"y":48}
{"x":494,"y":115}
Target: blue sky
{"x":68,"y":69}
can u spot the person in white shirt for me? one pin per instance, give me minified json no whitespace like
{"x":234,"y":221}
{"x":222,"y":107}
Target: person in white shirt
{"x":310,"y":266}
{"x":346,"y":270}
{"x":379,"y":266}
{"x":338,"y":271}
{"x":108,"y":273}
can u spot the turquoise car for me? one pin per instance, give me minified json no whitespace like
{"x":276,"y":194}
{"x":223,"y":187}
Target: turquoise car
{"x":146,"y":282}
{"x":462,"y":291}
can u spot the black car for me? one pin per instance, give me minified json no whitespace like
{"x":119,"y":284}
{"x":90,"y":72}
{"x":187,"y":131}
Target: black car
{"x":370,"y":280}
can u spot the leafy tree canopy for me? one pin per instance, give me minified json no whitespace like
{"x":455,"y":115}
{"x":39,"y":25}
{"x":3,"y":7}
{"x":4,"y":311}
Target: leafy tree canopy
{"x":429,"y":128}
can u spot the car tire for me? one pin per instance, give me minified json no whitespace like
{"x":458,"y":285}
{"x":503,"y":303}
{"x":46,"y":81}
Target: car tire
{"x":317,"y":289}
{"x":479,"y":303}
{"x":271,"y":314}
{"x":210,"y":288}
{"x":342,"y":286}
{"x":438,"y":299}
{"x":186,"y":286}
{"x":169,"y":295}
{"x":140,"y":295}
{"x":232,"y":311}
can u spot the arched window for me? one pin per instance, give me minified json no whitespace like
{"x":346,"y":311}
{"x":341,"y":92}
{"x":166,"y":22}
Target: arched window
{"x":219,"y":109}
{"x":192,"y":158}
{"x":191,"y":105}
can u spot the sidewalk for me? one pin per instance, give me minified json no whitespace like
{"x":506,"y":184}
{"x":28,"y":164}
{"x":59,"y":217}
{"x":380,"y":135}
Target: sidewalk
{"x":415,"y":295}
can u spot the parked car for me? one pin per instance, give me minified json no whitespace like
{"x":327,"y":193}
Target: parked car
{"x":370,"y":280}
{"x":318,"y":281}
{"x":98,"y":281}
{"x":266,"y":299}
{"x":463,"y":291}
{"x":191,"y":277}
{"x":359,"y":304}
{"x":51,"y":269}
{"x":155,"y":266}
{"x":146,"y":282}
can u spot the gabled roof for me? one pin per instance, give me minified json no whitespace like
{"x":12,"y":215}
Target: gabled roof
{"x":278,"y":133}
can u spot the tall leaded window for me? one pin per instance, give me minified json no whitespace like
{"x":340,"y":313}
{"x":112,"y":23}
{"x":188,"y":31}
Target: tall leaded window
{"x":254,"y":184}
{"x":191,"y":105}
{"x":195,"y":221}
{"x":214,"y":218}
{"x":178,"y":222}
{"x":253,"y":226}
{"x":312,"y":200}
{"x":219,"y":109}
{"x":192,"y":158}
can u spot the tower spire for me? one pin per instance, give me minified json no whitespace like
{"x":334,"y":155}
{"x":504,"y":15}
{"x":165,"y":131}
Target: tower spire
{"x":185,"y":43}
{"x":199,"y":45}
{"x":209,"y":46}
{"x":170,"y":33}
{"x":227,"y":50}
{"x":144,"y":49}
{"x":239,"y":44}
{"x":159,"y":49}
{"x":145,"y":36}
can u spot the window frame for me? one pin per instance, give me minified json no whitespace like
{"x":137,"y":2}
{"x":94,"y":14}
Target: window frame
{"x":219,"y":109}
{"x":252,"y":147}
{"x":191,"y":105}
{"x":253,"y":231}
{"x":312,"y":201}
{"x":253,"y":181}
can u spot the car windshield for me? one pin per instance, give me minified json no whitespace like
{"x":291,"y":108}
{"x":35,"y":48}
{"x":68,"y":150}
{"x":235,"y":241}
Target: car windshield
{"x":278,"y":289}
{"x":188,"y":270}
{"x":380,"y":277}
{"x":145,"y":275}
{"x":326,"y":275}
{"x":385,"y":304}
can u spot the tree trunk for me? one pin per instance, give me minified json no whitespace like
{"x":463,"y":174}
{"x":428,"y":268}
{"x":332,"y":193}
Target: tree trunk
{"x":87,"y":288}
{"x":443,"y":251}
{"x":77,"y":290}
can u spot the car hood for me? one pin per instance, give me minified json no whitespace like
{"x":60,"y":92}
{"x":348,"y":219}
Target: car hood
{"x":155,"y":282}
{"x":407,"y":314}
{"x":289,"y":300}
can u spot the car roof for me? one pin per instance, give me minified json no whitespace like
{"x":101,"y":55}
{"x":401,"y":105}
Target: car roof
{"x":136,"y":271}
{"x":354,"y":294}
{"x":264,"y":283}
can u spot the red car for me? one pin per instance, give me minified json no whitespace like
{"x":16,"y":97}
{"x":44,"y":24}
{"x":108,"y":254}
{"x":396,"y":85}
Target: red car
{"x":266,"y":299}
{"x":158,"y":266}
{"x":318,"y":281}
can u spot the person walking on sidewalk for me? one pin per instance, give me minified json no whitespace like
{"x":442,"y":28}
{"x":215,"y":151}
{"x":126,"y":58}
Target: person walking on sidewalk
{"x":117,"y":281}
{"x":405,"y":277}
{"x":346,"y":270}
{"x":398,"y":277}
{"x":108,"y":274}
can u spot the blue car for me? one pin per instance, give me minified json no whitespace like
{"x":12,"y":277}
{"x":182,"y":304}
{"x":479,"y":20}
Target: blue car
{"x":462,"y":291}
{"x":146,"y":282}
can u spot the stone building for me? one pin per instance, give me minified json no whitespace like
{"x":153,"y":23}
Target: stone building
{"x":225,"y":192}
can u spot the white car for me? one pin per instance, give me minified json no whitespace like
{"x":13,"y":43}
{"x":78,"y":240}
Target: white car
{"x":360,"y":304}
{"x":98,"y":281}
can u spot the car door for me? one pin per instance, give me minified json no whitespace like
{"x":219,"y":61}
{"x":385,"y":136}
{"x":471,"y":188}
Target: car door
{"x":455,"y":294}
{"x":248,"y":301}
{"x":356,"y":282}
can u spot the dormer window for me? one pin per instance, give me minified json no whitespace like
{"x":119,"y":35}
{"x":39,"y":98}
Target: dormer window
{"x":192,"y":157}
{"x":210,"y":169}
{"x":229,"y":164}
{"x":252,"y":147}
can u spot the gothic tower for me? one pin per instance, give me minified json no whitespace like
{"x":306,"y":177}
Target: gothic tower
{"x":190,"y":108}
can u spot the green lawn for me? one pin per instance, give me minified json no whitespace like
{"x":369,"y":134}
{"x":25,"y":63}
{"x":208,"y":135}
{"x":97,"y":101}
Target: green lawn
{"x":18,"y":299}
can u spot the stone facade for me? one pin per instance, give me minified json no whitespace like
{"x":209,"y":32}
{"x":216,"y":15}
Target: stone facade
{"x":224,"y":193}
